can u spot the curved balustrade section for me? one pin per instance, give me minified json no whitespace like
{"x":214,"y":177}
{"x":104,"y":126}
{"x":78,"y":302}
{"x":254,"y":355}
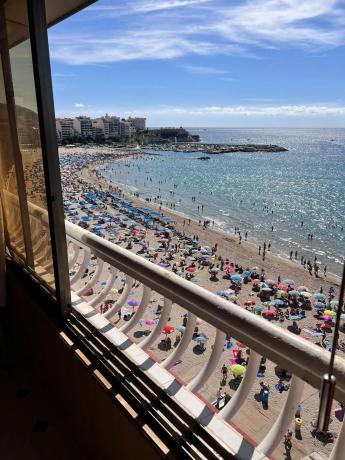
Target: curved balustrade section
{"x":239,"y":398}
{"x":140,"y":311}
{"x":157,"y":330}
{"x":184,"y":343}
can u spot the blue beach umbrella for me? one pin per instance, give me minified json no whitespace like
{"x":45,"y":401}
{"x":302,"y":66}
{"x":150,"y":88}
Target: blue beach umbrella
{"x":181,"y":329}
{"x":200,"y":339}
{"x":236,"y":278}
{"x":279,"y":302}
{"x":319,"y":305}
{"x":294,"y":293}
{"x":334,"y":303}
{"x":258,"y":308}
{"x":247,"y":273}
{"x":319,"y":296}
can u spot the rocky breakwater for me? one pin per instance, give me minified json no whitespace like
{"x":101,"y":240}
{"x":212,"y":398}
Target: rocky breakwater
{"x":214,"y":149}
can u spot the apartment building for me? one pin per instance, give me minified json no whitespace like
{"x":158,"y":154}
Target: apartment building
{"x":83,"y":127}
{"x":64,"y":128}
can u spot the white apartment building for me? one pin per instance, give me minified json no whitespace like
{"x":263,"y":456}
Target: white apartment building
{"x":138,"y":123}
{"x":83,"y":126}
{"x":64,"y":128}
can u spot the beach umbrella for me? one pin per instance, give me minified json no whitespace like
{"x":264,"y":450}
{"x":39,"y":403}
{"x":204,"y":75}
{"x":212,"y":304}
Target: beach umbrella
{"x":240,"y":345}
{"x":247,"y":273}
{"x":282,"y":293}
{"x":326,"y":326}
{"x":168,"y":329}
{"x":334,"y":303}
{"x":237,"y":370}
{"x":229,"y":268}
{"x":327,"y":317}
{"x":236,"y":278}
{"x":342,"y":316}
{"x":179,"y":273}
{"x":190,"y":269}
{"x":150,"y":321}
{"x":294,"y":293}
{"x":269,"y":303}
{"x":319,"y":296}
{"x":233,"y":298}
{"x":222,"y":293}
{"x":270,"y":313}
{"x":181,"y":329}
{"x":289,"y":282}
{"x":266,"y":289}
{"x":319,"y":306}
{"x":258,"y":308}
{"x":283,"y":287}
{"x":279,"y":302}
{"x":113,"y":291}
{"x":201,"y":339}
{"x":133,"y":303}
{"x":306,"y":294}
{"x":263,"y":285}
{"x":329,"y":312}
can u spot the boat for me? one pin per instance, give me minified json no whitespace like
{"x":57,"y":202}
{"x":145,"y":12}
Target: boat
{"x":204,"y":158}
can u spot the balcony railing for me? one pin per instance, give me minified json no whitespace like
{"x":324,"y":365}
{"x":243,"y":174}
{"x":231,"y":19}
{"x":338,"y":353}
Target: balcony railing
{"x":195,"y":424}
{"x":306,"y":361}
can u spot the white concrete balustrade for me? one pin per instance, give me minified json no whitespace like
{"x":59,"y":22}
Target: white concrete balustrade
{"x":306,"y":361}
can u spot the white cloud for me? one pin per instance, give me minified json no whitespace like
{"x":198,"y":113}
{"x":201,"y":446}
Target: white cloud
{"x":216,"y":111}
{"x":64,"y":75}
{"x":79,"y":105}
{"x":170,"y":29}
{"x":204,"y":70}
{"x":147,"y":6}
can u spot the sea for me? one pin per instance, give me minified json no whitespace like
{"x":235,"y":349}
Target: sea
{"x":278,"y":198}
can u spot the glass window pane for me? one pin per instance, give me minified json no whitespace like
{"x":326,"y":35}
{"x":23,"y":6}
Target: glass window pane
{"x":31,"y":178}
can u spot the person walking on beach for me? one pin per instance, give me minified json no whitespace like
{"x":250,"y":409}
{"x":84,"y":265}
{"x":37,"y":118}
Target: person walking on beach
{"x":291,"y":252}
{"x":259,"y":249}
{"x":246,"y":236}
{"x":224,"y":373}
{"x":325,"y":271}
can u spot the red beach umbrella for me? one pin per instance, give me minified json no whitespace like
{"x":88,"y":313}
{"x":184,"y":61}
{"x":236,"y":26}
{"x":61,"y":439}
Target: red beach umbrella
{"x":191,"y":269}
{"x":168,"y":329}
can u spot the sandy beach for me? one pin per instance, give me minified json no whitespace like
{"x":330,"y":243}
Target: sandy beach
{"x":253,"y":419}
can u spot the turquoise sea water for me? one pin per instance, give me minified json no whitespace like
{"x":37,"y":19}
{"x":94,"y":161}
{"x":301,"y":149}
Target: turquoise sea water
{"x":307,"y":184}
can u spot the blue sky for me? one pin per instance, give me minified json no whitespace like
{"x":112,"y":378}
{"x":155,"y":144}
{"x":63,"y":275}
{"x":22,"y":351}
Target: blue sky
{"x":204,"y":62}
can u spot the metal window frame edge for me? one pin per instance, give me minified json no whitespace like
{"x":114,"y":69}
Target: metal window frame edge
{"x":46,"y":116}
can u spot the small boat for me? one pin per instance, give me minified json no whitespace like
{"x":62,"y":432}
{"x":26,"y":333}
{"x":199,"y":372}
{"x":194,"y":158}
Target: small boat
{"x":204,"y":158}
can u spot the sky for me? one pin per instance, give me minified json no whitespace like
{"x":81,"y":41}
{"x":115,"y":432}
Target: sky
{"x":221,"y":63}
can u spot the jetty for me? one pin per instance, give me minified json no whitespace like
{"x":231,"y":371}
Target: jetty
{"x":214,"y":149}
